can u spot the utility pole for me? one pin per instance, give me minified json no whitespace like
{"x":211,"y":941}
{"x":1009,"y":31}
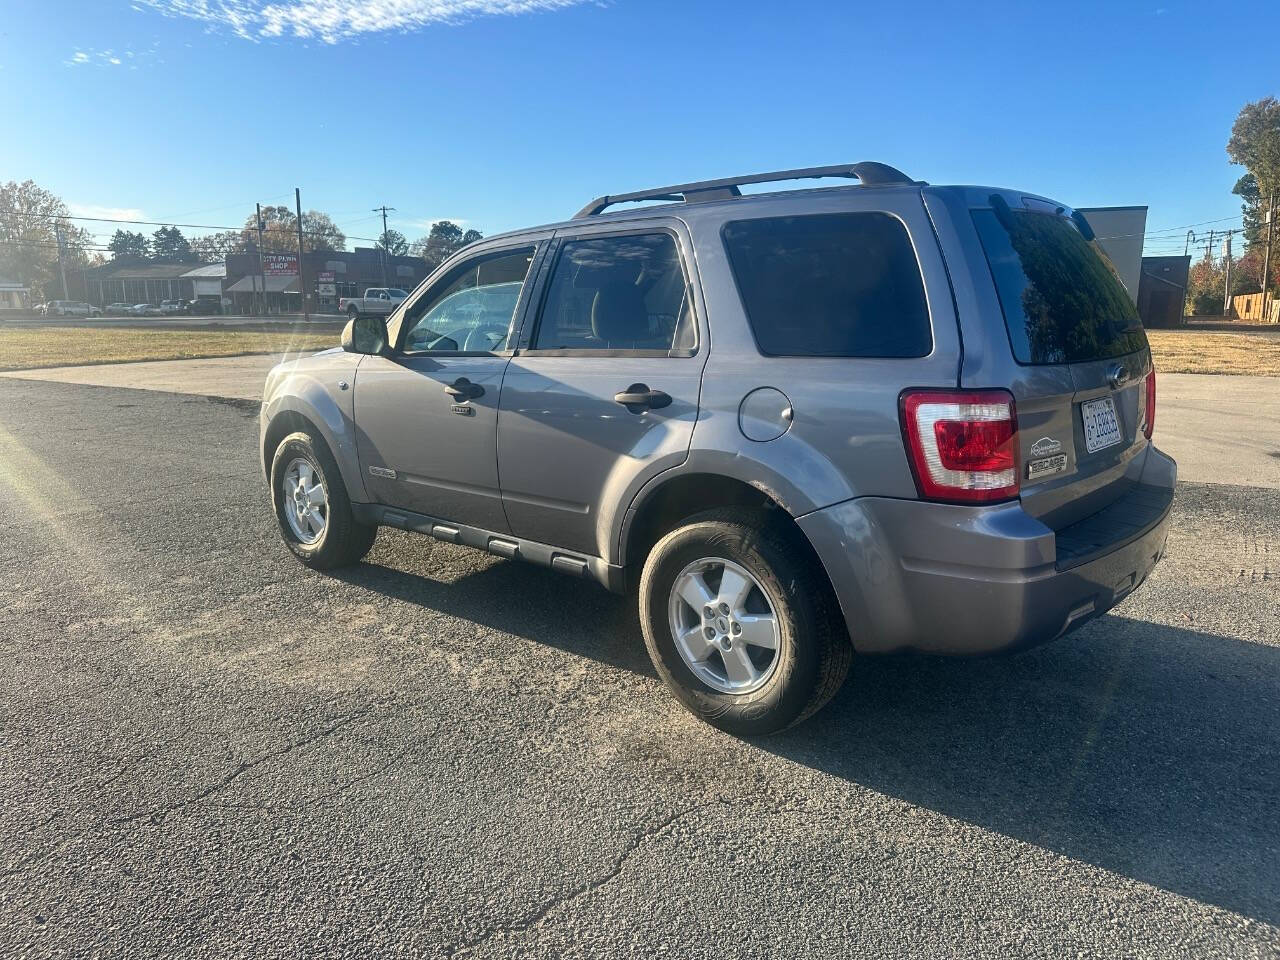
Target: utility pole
{"x":1226,"y":283}
{"x":1266,"y":257}
{"x":302,"y":287}
{"x":383,"y":210}
{"x":57,"y":233}
{"x":262,"y":273}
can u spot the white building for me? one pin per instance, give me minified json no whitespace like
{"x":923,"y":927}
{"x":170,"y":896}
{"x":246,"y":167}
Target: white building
{"x":206,"y":281}
{"x":13,"y":296}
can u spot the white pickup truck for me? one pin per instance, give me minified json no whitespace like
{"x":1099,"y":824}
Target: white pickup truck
{"x":377,"y":302}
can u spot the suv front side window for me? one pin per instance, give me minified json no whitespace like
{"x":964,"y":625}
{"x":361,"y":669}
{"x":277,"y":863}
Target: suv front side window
{"x":618,"y":294}
{"x":471,"y":310}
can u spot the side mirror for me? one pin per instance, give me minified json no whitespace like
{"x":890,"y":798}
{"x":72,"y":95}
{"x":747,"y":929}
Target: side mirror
{"x":365,"y":335}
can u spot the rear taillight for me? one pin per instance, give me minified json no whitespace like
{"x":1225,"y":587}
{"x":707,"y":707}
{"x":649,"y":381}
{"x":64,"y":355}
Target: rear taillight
{"x":963,"y":444}
{"x":1149,"y":414}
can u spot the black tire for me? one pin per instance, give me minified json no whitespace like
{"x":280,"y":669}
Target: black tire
{"x":353,"y":313}
{"x":345,"y":539}
{"x":814,"y":652}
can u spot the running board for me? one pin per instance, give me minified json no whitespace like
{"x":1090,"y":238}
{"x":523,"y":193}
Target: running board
{"x":499,"y":544}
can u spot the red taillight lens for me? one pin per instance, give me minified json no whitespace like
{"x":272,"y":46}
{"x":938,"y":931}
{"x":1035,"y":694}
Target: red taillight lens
{"x":1150,"y":417}
{"x":963,"y":444}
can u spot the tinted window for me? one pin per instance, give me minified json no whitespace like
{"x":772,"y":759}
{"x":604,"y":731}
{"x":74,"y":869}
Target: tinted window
{"x":1062,"y":300}
{"x":838,"y":285}
{"x":472,"y":307}
{"x":617,"y":293}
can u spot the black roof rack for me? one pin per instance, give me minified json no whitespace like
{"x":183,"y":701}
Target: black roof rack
{"x":868,"y":172}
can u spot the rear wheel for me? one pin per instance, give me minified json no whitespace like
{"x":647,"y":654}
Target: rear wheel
{"x":312,"y":506}
{"x":738,"y":623}
{"x":353,"y":313}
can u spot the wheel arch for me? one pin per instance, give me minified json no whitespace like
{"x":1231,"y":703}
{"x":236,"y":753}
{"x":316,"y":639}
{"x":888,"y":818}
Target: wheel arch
{"x":293,"y":412}
{"x":662,"y":506}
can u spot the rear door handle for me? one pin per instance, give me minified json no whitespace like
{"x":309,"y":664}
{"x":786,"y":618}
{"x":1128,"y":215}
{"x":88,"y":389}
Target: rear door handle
{"x":464,"y":389}
{"x":638,"y":397}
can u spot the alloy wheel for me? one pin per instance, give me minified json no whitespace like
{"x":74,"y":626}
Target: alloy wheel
{"x":724,"y":625}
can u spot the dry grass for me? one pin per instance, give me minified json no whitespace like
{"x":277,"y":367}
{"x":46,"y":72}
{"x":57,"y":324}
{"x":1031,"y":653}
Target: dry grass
{"x":1196,"y":351}
{"x":26,"y":348}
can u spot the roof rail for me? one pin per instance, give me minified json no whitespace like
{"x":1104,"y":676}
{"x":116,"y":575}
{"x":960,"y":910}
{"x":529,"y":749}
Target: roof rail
{"x":868,"y":172}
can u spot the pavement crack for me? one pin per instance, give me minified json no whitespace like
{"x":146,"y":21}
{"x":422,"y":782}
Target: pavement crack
{"x":158,"y":816}
{"x":534,"y":917}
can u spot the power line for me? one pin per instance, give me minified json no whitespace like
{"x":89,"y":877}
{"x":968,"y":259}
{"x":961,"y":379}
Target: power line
{"x":159,"y":223}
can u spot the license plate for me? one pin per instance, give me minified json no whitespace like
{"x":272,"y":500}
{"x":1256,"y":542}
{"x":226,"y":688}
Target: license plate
{"x":1101,"y":425}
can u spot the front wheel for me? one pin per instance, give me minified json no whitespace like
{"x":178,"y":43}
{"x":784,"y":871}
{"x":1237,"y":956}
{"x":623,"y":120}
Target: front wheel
{"x":738,"y":622}
{"x":312,"y":506}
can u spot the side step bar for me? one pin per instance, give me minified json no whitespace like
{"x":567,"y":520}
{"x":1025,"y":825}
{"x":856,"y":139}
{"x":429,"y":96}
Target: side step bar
{"x":499,"y":544}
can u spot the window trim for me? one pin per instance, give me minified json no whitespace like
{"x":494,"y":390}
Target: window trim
{"x":552,"y":261}
{"x":915,"y":254}
{"x":536,"y":247}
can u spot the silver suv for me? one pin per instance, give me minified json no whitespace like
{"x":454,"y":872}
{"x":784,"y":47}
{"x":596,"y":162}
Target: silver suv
{"x":873,"y":417}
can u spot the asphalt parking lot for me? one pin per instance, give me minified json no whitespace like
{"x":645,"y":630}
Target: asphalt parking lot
{"x":207,"y":749}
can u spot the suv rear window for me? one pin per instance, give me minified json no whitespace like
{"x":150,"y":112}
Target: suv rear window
{"x":1062,"y":300}
{"x":830,"y":285}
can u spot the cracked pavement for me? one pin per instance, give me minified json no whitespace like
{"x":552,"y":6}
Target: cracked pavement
{"x":206,"y":749}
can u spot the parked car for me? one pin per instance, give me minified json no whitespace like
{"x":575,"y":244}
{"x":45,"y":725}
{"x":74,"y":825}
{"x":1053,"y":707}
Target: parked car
{"x":170,"y":307}
{"x":118,"y":309}
{"x":144,"y":310}
{"x":778,"y":443}
{"x":205,"y":306}
{"x":376,"y":302}
{"x":68,"y":308}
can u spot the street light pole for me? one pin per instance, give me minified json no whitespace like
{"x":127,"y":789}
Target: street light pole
{"x":1226,"y":282}
{"x":262,"y":273}
{"x":1266,"y":257}
{"x":302,"y":286}
{"x":383,"y":210}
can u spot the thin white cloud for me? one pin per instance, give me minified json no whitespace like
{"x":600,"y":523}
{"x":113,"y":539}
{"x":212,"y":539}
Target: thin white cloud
{"x":93,"y":211}
{"x":424,"y":223}
{"x":105,"y":58}
{"x":332,"y":21}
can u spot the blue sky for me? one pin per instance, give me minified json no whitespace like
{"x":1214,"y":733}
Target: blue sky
{"x":513,"y":112}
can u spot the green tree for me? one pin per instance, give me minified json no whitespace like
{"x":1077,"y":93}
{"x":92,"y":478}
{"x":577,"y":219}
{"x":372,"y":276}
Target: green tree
{"x":394,"y":242}
{"x":126,"y":246}
{"x":444,"y":239}
{"x":32,"y":222}
{"x":169,"y":245}
{"x":280,"y":231}
{"x":1255,"y":145}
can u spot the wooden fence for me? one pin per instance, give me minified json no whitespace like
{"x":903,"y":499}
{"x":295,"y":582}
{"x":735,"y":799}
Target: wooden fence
{"x":1249,"y":307}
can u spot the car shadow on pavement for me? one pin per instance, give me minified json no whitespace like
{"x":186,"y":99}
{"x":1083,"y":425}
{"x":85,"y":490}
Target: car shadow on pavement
{"x":1147,"y":750}
{"x":524,"y":600}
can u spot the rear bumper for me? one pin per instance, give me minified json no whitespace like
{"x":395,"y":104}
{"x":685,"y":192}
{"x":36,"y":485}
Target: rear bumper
{"x":950,"y":579}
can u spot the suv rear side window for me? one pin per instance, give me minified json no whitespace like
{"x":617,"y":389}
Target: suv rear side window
{"x":830,"y":285}
{"x":622,"y":293}
{"x":1062,"y":300}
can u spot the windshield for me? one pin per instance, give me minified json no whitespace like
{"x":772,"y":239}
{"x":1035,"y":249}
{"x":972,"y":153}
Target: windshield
{"x":1061,"y":297}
